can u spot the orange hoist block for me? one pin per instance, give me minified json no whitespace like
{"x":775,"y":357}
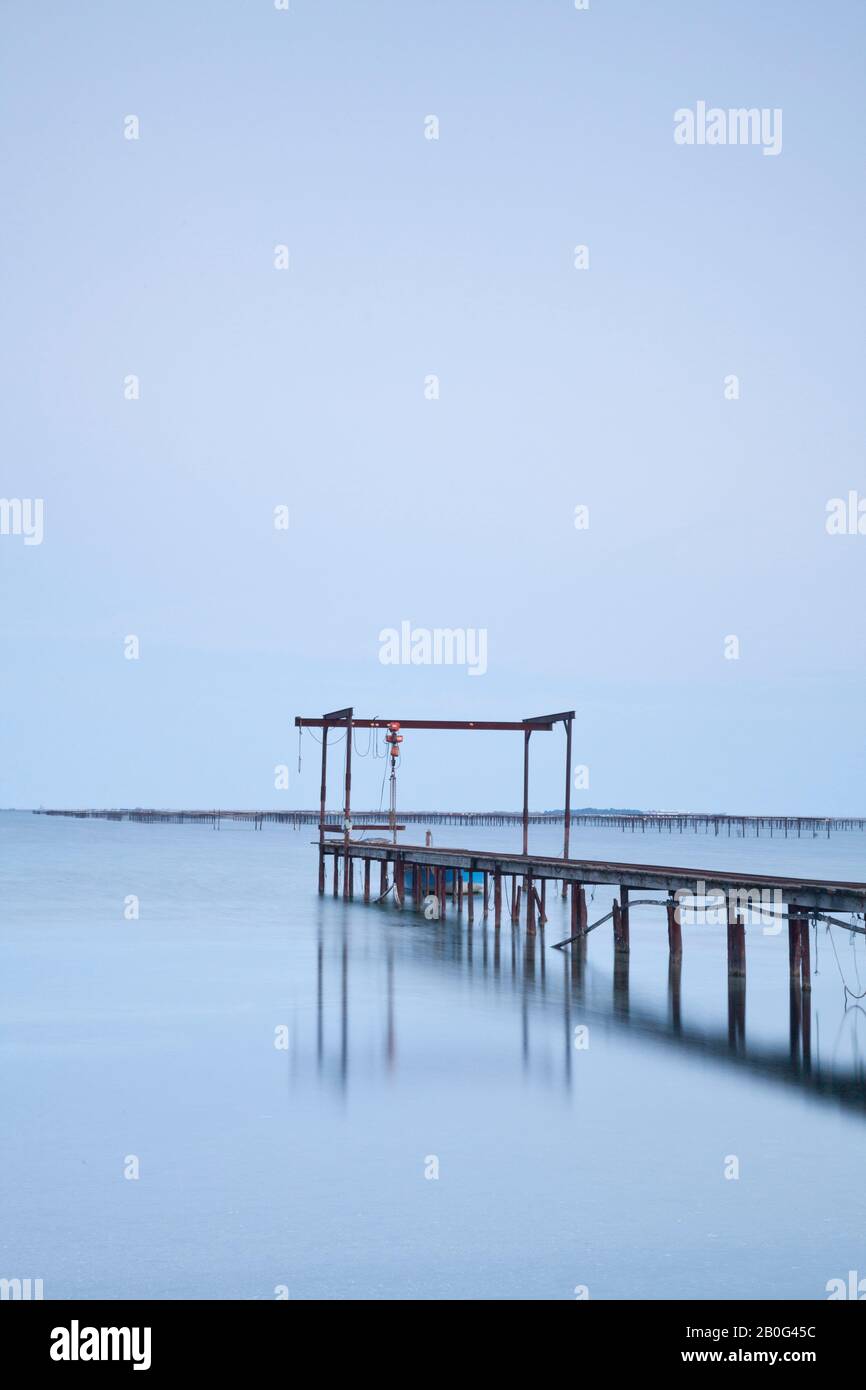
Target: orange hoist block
{"x":394,"y":738}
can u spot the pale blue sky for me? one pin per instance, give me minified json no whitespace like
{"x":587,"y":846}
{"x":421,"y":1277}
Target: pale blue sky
{"x":558,"y":387}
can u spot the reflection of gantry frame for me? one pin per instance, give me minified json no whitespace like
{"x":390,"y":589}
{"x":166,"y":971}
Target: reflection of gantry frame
{"x":345,"y":719}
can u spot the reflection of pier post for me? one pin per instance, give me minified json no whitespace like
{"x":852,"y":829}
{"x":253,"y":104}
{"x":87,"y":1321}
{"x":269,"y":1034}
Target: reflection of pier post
{"x":737,"y":1013}
{"x":620,"y":983}
{"x":320,"y":1000}
{"x":800,"y":1011}
{"x":578,"y":953}
{"x":529,"y":958}
{"x":806,"y":1021}
{"x":566,"y":1018}
{"x":675,"y":979}
{"x":344,"y":1010}
{"x":624,"y":922}
{"x":390,"y":1033}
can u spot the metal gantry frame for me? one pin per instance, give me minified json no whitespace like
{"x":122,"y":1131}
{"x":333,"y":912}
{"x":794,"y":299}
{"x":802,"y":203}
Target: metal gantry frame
{"x":345,"y":719}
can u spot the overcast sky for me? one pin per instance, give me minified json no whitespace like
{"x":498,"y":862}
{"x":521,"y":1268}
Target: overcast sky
{"x":310,"y":388}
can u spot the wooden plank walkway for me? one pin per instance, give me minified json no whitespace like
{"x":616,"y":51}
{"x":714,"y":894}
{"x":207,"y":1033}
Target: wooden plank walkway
{"x":826,"y":895}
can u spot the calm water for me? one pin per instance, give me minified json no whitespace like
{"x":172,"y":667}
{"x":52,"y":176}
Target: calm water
{"x":408,"y":1041}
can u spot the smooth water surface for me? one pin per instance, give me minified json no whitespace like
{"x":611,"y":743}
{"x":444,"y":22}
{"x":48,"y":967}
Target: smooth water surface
{"x":412,"y":1047}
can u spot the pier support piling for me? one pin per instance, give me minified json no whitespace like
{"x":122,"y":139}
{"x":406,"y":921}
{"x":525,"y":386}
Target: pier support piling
{"x":675,"y":931}
{"x":805,"y":954}
{"x":736,"y":945}
{"x":620,"y":929}
{"x":799,"y":947}
{"x":399,"y":879}
{"x":795,"y":945}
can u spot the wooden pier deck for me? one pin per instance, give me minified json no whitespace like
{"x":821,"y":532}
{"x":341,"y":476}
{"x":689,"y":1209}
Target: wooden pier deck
{"x":425,"y":878}
{"x":815,"y":894}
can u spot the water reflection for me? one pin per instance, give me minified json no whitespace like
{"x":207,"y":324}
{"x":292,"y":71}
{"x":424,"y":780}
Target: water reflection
{"x":547,"y":985}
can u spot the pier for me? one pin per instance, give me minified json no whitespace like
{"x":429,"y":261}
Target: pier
{"x":425,"y":877}
{"x":518,"y":887}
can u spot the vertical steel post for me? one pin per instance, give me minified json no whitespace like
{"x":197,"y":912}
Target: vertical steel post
{"x":565,"y":838}
{"x":526,"y":791}
{"x":322,"y":796}
{"x":348,"y":807}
